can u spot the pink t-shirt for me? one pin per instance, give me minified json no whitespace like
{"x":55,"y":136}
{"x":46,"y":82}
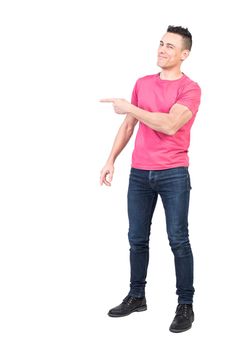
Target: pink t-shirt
{"x":155,"y":150}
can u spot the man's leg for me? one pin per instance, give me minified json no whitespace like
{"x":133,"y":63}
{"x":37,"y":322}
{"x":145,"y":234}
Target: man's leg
{"x":175,"y":192}
{"x":141,"y":204}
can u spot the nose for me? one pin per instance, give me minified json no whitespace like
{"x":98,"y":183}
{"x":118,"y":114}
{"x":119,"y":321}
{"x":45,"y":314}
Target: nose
{"x":161,"y":49}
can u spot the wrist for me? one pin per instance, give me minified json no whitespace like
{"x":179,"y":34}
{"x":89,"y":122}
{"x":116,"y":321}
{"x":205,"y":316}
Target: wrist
{"x":131,"y":108}
{"x":110,"y":161}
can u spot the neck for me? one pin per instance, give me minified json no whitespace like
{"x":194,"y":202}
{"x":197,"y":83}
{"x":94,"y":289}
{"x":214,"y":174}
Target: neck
{"x":171,"y":74}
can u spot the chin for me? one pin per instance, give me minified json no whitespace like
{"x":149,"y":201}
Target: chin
{"x":160,"y":65}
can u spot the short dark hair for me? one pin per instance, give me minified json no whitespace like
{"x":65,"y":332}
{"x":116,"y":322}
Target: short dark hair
{"x":184,"y":32}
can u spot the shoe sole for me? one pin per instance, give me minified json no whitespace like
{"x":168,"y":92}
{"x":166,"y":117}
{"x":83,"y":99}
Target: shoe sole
{"x":181,"y":330}
{"x":139,"y":309}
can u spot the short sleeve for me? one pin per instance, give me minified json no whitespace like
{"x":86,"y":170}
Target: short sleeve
{"x":190,"y":97}
{"x":134,"y":99}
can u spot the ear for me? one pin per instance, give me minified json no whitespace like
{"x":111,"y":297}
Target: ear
{"x":184,"y":54}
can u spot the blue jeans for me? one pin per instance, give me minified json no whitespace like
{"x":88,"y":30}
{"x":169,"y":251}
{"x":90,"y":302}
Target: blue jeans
{"x":173,"y":186}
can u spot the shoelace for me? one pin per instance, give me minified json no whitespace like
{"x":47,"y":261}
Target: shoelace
{"x":129,"y":300}
{"x":182,"y":310}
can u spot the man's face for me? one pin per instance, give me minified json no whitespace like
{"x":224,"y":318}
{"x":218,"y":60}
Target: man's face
{"x":171,"y":52}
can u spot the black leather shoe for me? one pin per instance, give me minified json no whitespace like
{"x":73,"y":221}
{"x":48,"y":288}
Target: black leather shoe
{"x":183,"y":319}
{"x":128,"y":305}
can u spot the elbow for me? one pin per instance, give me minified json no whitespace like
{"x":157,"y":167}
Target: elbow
{"x":129,"y":125}
{"x":166,"y":128}
{"x":129,"y":131}
{"x":170,"y":126}
{"x":171,"y":129}
{"x":170,"y":132}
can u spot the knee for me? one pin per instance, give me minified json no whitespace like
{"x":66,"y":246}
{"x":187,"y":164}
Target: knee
{"x":138,"y":234}
{"x":181,"y":249}
{"x":139,"y":247}
{"x":138,"y":243}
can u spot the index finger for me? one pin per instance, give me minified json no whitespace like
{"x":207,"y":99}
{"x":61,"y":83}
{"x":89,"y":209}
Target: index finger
{"x":107,"y":100}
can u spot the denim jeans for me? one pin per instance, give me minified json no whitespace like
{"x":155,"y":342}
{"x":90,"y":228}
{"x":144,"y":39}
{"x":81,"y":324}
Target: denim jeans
{"x":173,"y":186}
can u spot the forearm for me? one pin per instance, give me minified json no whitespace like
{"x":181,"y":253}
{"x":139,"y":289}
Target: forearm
{"x":158,"y":121}
{"x":123,"y":136}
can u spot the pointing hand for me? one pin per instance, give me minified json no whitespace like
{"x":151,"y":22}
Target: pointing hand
{"x":120,"y":105}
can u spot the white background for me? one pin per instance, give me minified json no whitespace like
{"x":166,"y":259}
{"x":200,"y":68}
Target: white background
{"x":63,"y":248}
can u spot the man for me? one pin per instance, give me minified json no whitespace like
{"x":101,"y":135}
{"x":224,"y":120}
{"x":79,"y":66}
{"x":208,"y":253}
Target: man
{"x":165,"y":105}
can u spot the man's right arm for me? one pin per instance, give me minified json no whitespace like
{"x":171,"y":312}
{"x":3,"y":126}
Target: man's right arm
{"x":123,"y":136}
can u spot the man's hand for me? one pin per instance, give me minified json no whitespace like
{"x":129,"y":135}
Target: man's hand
{"x":107,"y":174}
{"x":120,"y":105}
